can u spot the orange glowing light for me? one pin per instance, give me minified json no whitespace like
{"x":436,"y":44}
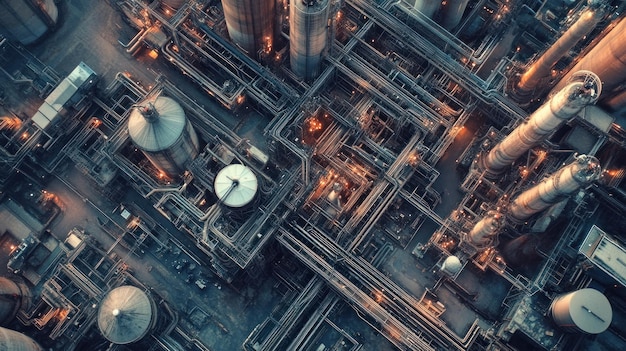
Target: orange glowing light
{"x":153,"y":54}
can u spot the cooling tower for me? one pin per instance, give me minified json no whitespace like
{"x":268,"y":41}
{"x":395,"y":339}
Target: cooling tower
{"x":161,"y":130}
{"x":250,"y":23}
{"x":11,"y":340}
{"x":235,"y":185}
{"x":126,"y":315}
{"x":308,"y":32}
{"x":587,"y":311}
{"x":12,"y":297}
{"x":26,"y":21}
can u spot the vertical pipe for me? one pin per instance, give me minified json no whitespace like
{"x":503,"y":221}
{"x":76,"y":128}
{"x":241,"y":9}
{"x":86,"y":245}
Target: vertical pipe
{"x":541,"y":68}
{"x":569,"y":179}
{"x":563,"y":106}
{"x":486,"y":228}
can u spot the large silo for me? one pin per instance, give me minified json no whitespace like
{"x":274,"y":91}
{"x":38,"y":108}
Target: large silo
{"x":250,"y":23}
{"x":11,"y":340}
{"x":126,"y":315}
{"x":236,"y":186}
{"x":308,"y":32}
{"x":585,"y":310}
{"x":12,"y":297}
{"x":161,"y":130}
{"x":26,"y":21}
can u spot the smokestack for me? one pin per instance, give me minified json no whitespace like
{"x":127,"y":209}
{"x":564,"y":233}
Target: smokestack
{"x":584,"y":89}
{"x":541,"y":68}
{"x":486,"y":228}
{"x":569,"y":179}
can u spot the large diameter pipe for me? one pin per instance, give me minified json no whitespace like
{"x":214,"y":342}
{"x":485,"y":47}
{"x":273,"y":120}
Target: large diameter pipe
{"x":607,"y":59}
{"x":569,"y":179}
{"x":584,"y":90}
{"x":486,"y":228}
{"x":542,"y":67}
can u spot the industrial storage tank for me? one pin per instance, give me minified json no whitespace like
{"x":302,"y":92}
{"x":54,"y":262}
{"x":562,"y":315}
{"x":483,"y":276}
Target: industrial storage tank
{"x":126,"y":315}
{"x":451,"y":265}
{"x":250,"y":23}
{"x":161,"y":130}
{"x":308,"y":32}
{"x":10,"y":340}
{"x":236,"y":185}
{"x":26,"y":21}
{"x":585,"y":310}
{"x":12,"y":297}
{"x":427,"y":7}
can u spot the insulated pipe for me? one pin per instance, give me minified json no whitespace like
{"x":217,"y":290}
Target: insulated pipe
{"x":486,"y":228}
{"x":541,"y":68}
{"x":607,"y":59}
{"x":569,"y":179}
{"x":427,"y":7}
{"x":583,"y":90}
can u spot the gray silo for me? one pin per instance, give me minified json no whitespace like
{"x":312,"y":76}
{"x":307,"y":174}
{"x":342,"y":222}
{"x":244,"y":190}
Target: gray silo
{"x":308,"y":33}
{"x":26,"y":21}
{"x":12,"y":297}
{"x":250,"y":23}
{"x":585,"y":310}
{"x":11,"y":340}
{"x":126,"y":315}
{"x":159,"y":127}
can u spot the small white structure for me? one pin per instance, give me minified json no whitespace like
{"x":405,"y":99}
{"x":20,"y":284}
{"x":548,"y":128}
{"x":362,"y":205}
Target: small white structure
{"x":235,"y":185}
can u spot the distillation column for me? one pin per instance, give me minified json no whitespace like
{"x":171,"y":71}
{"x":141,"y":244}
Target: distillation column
{"x":308,"y":31}
{"x":250,"y":24}
{"x":569,"y":179}
{"x":486,"y":228}
{"x":607,"y":59}
{"x":541,"y":68}
{"x":452,"y":13}
{"x":427,"y":7}
{"x":584,"y":89}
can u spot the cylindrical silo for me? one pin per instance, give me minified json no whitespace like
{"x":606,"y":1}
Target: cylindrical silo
{"x":12,"y":297}
{"x":236,"y":185}
{"x":607,"y":59}
{"x":250,"y":23}
{"x":427,"y":7}
{"x":126,"y":315}
{"x":585,"y":310}
{"x":583,"y":90}
{"x":452,"y":13}
{"x":569,"y":179}
{"x":26,"y":21}
{"x":11,"y":340}
{"x":486,"y":228}
{"x":161,"y":130}
{"x":308,"y":31}
{"x":542,"y":67}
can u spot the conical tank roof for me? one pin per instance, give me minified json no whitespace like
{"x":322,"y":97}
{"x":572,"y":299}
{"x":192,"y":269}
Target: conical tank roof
{"x":156,"y":124}
{"x":126,"y":315}
{"x":235,"y":185}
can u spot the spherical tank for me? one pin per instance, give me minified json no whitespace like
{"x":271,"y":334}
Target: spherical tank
{"x":12,"y":297}
{"x":585,"y":310}
{"x":160,"y":129}
{"x":250,"y":23}
{"x":308,"y":32}
{"x":451,"y":265}
{"x":26,"y":20}
{"x":126,"y":315}
{"x":235,"y":185}
{"x":11,"y":340}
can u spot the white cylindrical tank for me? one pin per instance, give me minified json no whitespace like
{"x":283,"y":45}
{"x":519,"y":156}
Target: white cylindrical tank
{"x":542,"y":67}
{"x":235,"y":185}
{"x":126,"y":315}
{"x":11,"y":340}
{"x":427,"y":7}
{"x":607,"y":59}
{"x":452,"y":13}
{"x":250,"y":23}
{"x":451,"y":265}
{"x":486,"y":228}
{"x":26,"y":20}
{"x":161,"y":130}
{"x":583,"y":90}
{"x":586,"y":310}
{"x":12,"y":297}
{"x":308,"y":31}
{"x":569,"y":179}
